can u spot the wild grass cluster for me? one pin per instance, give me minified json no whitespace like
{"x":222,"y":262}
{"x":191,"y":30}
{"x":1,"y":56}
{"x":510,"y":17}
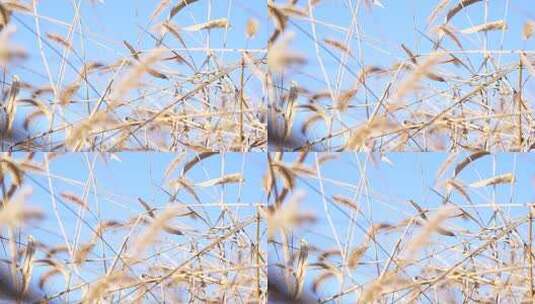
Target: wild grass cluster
{"x":105,"y":76}
{"x":384,"y":76}
{"x":75,"y":228}
{"x":360,"y":228}
{"x":209,"y":81}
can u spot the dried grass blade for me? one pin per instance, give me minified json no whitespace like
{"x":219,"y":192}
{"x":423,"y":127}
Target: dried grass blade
{"x":444,"y":166}
{"x":362,"y":133}
{"x":471,"y":158}
{"x":528,"y":29}
{"x":46,"y":276}
{"x":27,"y":264}
{"x":420,"y":210}
{"x":421,"y":70}
{"x":14,"y":213}
{"x":11,"y":103}
{"x":287,"y":176}
{"x":83,"y":251}
{"x":460,"y":187}
{"x":151,"y":71}
{"x":212,"y":24}
{"x":172,"y":230}
{"x":438,"y":8}
{"x":279,"y":18}
{"x":16,"y":6}
{"x":345,"y":202}
{"x":378,"y":287}
{"x":281,"y":57}
{"x":287,"y":216}
{"x":320,"y":279}
{"x":301,"y":268}
{"x":132,"y":78}
{"x":5,"y":15}
{"x":292,"y":10}
{"x":356,"y":255}
{"x":166,"y":228}
{"x":154,"y":229}
{"x":445,"y":29}
{"x":461,"y":5}
{"x":507,"y":178}
{"x":59,"y":39}
{"x":338,"y":45}
{"x":172,"y":166}
{"x":159,"y":8}
{"x":132,"y":50}
{"x":13,"y":168}
{"x":28,"y":165}
{"x":184,"y":183}
{"x":196,"y":160}
{"x":432,"y":225}
{"x":177,"y":8}
{"x":251,"y":28}
{"x":412,"y":57}
{"x":227,"y":179}
{"x":79,"y":134}
{"x":150,"y":210}
{"x":342,"y":102}
{"x":525,"y":61}
{"x":309,"y":122}
{"x":66,"y":95}
{"x":73,"y":198}
{"x":99,"y":289}
{"x":156,"y":74}
{"x":489,"y":26}
{"x":328,"y":253}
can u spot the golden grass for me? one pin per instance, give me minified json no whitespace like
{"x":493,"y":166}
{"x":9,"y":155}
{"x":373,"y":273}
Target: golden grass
{"x":173,"y":90}
{"x":423,"y":86}
{"x":469,"y":243}
{"x":77,"y":247}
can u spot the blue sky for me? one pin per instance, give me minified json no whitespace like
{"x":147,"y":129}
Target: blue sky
{"x":391,"y":183}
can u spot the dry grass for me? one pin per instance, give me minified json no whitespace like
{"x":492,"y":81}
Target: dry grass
{"x":448,"y":75}
{"x":382,"y":229}
{"x":211,"y":76}
{"x":77,"y":228}
{"x":188,"y":75}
